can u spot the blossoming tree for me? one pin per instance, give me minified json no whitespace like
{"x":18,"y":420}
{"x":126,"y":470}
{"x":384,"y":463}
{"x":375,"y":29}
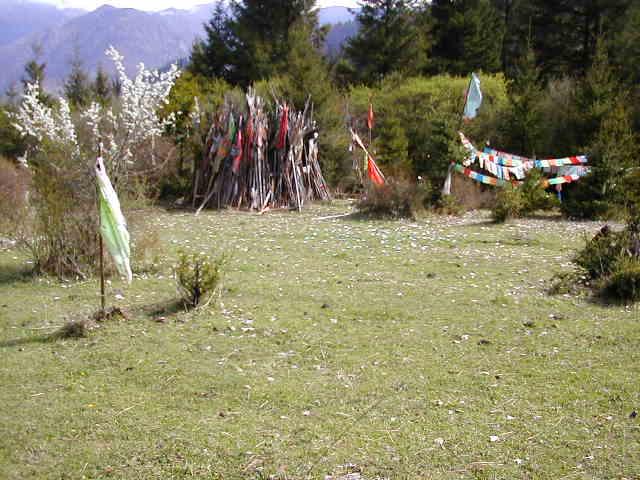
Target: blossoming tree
{"x":116,"y":131}
{"x":64,"y":144}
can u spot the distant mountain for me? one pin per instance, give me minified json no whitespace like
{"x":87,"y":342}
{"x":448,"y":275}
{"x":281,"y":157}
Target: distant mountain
{"x":154,"y":38}
{"x":338,"y":36}
{"x":333,"y":15}
{"x":19,"y":18}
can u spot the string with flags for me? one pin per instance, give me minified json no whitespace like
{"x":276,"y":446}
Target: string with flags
{"x":505,"y":166}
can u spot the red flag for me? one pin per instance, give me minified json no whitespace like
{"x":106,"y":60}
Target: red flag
{"x":238,"y":151}
{"x":284,"y":126}
{"x":374,"y":172}
{"x":370,"y":117}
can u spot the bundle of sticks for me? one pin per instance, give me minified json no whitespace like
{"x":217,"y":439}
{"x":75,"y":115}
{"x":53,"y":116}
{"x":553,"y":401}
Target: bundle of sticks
{"x":256,"y":160}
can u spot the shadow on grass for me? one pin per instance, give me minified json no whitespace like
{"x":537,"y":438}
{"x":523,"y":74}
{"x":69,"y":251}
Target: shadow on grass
{"x":166,"y":308}
{"x":16,"y":273}
{"x":18,"y":342}
{"x":67,"y":331}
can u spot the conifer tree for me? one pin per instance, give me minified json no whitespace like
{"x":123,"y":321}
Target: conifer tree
{"x":101,"y":87}
{"x":387,"y":41}
{"x":467,"y":36}
{"x":524,"y":119}
{"x":253,"y":42}
{"x":76,"y":87}
{"x":34,"y":73}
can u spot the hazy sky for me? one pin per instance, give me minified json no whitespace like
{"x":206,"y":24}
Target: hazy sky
{"x":161,"y":4}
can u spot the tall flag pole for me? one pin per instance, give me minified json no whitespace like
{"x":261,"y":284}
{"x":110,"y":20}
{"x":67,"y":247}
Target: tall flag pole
{"x":370,"y":120}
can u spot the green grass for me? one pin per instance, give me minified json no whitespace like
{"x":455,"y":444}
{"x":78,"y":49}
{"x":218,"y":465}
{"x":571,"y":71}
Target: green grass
{"x":336,"y":342}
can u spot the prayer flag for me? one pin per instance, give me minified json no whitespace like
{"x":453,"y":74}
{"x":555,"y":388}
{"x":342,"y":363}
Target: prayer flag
{"x":375,"y":174}
{"x":113,"y":226}
{"x":284,"y":127}
{"x":370,"y":117}
{"x":474,"y":98}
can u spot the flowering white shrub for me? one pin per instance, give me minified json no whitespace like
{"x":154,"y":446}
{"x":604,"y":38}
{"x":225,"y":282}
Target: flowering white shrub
{"x":37,"y":120}
{"x":117,"y":130}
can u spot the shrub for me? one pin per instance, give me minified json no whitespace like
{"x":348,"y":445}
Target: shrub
{"x":534,"y":196}
{"x":449,"y":205}
{"x":612,"y":261}
{"x":14,"y":183}
{"x":59,"y":229}
{"x":512,"y":202}
{"x":395,"y":199}
{"x":601,"y":254}
{"x":198,"y":276}
{"x":509,"y":204}
{"x":624,"y":283}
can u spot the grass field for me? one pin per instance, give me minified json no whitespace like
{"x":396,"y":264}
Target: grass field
{"x":424,"y":349}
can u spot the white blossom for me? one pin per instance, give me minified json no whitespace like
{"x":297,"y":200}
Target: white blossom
{"x":117,"y":130}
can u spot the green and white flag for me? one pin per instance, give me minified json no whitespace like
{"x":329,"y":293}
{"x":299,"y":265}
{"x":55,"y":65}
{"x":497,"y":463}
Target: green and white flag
{"x":474,"y":98}
{"x":113,"y":226}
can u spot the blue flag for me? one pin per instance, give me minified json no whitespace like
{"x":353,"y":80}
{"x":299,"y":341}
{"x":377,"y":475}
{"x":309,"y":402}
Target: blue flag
{"x":474,"y":98}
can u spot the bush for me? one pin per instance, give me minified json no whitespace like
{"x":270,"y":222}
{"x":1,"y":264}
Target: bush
{"x":449,"y":205}
{"x":59,"y":228}
{"x":198,"y":276}
{"x":624,"y":283}
{"x":395,"y":199}
{"x":509,"y":204}
{"x":534,"y":196}
{"x":602,"y":253}
{"x":14,"y":184}
{"x":514,"y":202}
{"x":612,"y":261}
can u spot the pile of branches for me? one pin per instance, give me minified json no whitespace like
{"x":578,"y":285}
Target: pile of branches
{"x":256,"y":160}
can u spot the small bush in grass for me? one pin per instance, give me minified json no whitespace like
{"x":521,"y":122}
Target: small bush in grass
{"x":394,"y":199}
{"x":612,"y":260}
{"x":509,"y":204}
{"x":73,"y":329}
{"x":601,"y":254}
{"x":514,"y":202}
{"x":624,"y":283}
{"x":198,"y":276}
{"x":449,"y":205}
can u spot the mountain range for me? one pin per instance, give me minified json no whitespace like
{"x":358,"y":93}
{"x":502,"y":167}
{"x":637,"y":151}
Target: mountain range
{"x":153,"y":38}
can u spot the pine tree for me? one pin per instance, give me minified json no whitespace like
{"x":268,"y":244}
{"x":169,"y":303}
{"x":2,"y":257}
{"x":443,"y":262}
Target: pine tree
{"x":253,"y":42}
{"x":214,"y":56}
{"x":34,"y":73}
{"x":101,"y":87}
{"x":565,"y":32}
{"x":387,"y":41}
{"x":307,"y":77}
{"x":76,"y":87}
{"x":467,"y":36}
{"x":524,"y":122}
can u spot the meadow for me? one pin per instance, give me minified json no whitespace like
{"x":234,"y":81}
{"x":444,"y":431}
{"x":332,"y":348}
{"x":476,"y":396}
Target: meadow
{"x":338,"y":348}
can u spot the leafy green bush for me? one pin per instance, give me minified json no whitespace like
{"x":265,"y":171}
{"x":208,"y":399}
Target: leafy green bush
{"x":624,"y":283}
{"x":602,"y":253}
{"x":395,"y":199}
{"x":612,"y":261}
{"x":514,"y":202}
{"x":509,"y":204}
{"x":197,"y":277}
{"x":534,"y":196}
